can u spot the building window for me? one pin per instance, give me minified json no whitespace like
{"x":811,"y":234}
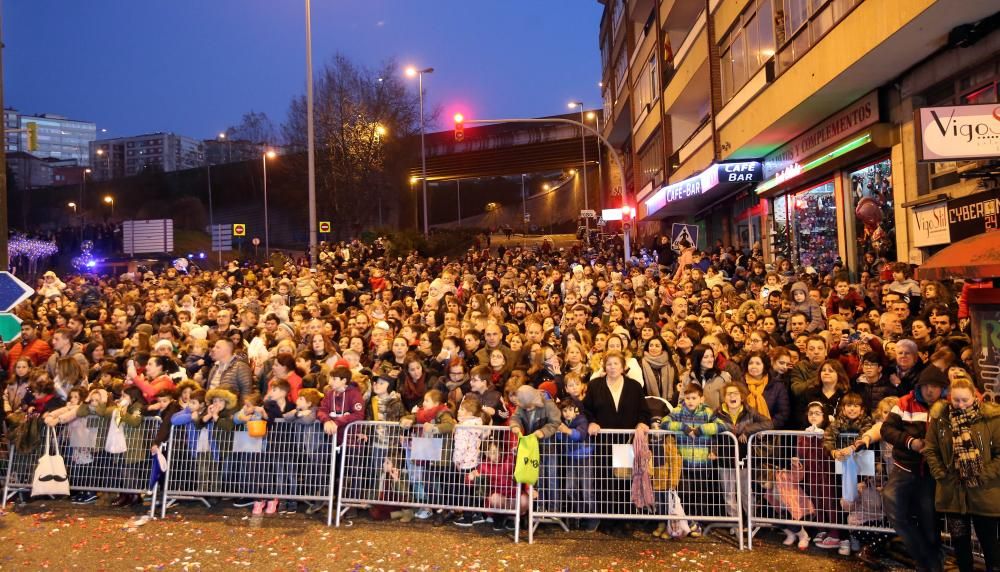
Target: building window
{"x":651,"y":161}
{"x":801,"y":24}
{"x":871,"y":195}
{"x":621,"y":69}
{"x":747,"y":47}
{"x":646,"y":87}
{"x":805,"y":228}
{"x":617,"y":16}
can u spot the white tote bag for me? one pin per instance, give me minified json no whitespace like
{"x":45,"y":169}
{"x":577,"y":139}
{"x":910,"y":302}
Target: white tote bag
{"x":50,"y":474}
{"x":115,"y":443}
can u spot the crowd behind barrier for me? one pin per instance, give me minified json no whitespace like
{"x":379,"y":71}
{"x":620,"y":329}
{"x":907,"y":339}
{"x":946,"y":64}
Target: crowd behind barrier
{"x":268,"y":378}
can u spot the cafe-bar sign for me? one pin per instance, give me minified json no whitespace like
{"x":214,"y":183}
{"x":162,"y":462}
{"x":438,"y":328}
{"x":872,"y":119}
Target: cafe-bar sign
{"x":959,"y":132}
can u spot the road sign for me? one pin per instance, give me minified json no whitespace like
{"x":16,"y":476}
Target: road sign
{"x":12,"y":291}
{"x":687,"y":232}
{"x":588,"y":213}
{"x":239,"y":229}
{"x":222,"y":237}
{"x":324,"y":226}
{"x":255,"y":241}
{"x":527,"y":217}
{"x":10,"y":327}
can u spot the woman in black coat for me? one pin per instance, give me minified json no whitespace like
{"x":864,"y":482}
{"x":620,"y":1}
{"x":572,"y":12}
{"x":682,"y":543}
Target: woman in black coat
{"x":613,"y":402}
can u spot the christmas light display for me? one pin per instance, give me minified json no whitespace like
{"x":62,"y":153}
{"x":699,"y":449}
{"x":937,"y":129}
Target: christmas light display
{"x":31,"y":248}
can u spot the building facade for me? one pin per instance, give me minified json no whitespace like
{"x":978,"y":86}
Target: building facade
{"x":59,"y":138}
{"x":790,"y":123}
{"x":221,"y":151}
{"x":159,"y":152}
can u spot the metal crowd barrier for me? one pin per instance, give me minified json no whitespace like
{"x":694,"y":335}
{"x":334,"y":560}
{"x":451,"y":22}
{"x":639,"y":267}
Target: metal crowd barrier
{"x":470,"y":470}
{"x":89,"y":466}
{"x":293,"y":461}
{"x":592,"y":479}
{"x":796,"y":482}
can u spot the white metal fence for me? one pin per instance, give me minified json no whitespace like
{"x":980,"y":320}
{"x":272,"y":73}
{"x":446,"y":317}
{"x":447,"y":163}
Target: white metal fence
{"x":694,"y":481}
{"x":470,"y":469}
{"x":293,"y":461}
{"x":89,"y":465}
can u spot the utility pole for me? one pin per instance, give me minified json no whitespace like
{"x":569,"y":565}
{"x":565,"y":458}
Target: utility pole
{"x":4,"y":261}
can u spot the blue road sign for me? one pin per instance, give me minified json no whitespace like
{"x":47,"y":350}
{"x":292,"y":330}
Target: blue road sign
{"x":12,"y":291}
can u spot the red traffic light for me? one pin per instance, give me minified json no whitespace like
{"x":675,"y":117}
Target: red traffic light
{"x":459,"y":127}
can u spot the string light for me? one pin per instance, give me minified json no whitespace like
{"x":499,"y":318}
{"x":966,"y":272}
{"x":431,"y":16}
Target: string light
{"x":31,"y":248}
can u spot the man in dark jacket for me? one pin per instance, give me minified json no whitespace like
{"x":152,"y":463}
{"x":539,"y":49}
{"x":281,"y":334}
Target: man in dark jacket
{"x":909,"y":494}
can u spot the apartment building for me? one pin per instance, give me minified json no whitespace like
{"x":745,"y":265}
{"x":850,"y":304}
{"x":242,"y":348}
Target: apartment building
{"x":127,"y":156}
{"x":805,"y":126}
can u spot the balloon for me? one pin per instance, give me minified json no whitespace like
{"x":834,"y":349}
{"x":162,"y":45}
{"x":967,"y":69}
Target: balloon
{"x":869,"y":213}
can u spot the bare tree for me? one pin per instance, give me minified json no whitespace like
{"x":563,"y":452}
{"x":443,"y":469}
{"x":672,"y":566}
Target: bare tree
{"x":255,"y":127}
{"x":362,"y":119}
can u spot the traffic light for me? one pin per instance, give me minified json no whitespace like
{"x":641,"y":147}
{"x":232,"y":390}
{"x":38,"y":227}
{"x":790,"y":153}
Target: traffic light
{"x":32,"y":137}
{"x":459,"y":127}
{"x":626,"y":214}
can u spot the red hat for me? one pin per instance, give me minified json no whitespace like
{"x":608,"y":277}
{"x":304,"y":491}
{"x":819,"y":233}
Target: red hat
{"x":342,"y":363}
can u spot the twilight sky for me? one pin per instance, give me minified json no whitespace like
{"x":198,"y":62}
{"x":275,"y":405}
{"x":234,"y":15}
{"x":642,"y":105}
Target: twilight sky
{"x":195,"y":66}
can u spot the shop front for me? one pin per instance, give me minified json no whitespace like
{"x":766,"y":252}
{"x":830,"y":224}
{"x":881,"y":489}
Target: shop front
{"x":829,"y":193}
{"x":719,"y":201}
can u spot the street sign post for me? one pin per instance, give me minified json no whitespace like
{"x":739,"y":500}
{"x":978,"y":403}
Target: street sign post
{"x":324,"y":227}
{"x":239,"y":229}
{"x":683,"y":233}
{"x":12,"y":293}
{"x":10,"y":327}
{"x":588,"y":213}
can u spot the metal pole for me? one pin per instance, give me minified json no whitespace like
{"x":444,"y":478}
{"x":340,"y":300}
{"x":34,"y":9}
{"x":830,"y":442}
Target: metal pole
{"x":79,"y":207}
{"x":524,"y":207}
{"x":600,"y":171}
{"x":583,"y":173}
{"x":267,"y":231}
{"x":4,"y":261}
{"x":423,"y":151}
{"x":211,"y":212}
{"x":607,"y":144}
{"x":311,"y":136}
{"x":458,"y":193}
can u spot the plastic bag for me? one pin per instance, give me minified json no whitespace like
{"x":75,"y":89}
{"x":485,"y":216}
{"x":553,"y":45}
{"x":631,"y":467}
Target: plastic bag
{"x":115,"y":443}
{"x":528,"y":460}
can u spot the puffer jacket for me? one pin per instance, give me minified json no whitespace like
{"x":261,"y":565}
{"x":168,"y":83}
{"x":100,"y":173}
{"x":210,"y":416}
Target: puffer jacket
{"x":951,"y":495}
{"x":745,"y":307}
{"x":907,"y":421}
{"x":545,"y":419}
{"x":809,"y":307}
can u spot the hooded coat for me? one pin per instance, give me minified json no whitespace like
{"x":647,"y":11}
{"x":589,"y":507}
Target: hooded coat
{"x":809,"y":307}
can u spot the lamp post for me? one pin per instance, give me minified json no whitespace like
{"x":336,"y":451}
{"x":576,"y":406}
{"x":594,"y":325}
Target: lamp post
{"x":411,"y":72}
{"x":416,"y":205}
{"x":600,"y":172}
{"x":83,"y":188}
{"x":311,"y":137}
{"x":101,"y":153}
{"x":583,"y":169}
{"x":267,"y":229}
{"x":72,"y":206}
{"x":108,"y":199}
{"x":211,"y":212}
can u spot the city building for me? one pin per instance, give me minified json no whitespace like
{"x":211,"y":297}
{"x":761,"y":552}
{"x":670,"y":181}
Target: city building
{"x":791,"y":123}
{"x":161,"y":152}
{"x":59,"y":137}
{"x":29,"y":172}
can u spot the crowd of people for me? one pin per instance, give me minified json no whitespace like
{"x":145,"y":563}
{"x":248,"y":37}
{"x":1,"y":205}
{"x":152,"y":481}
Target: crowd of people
{"x":559,"y":344}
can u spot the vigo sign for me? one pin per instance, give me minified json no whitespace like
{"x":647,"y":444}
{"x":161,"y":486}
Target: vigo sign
{"x":959,"y":132}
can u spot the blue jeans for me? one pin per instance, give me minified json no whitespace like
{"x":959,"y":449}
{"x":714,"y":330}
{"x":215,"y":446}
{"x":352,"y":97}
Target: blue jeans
{"x":909,"y":502}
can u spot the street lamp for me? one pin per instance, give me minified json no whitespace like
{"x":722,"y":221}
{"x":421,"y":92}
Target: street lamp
{"x":583,"y":145}
{"x":72,"y":206}
{"x":600,"y":170}
{"x":269,"y":154}
{"x":108,"y":199}
{"x":411,"y":72}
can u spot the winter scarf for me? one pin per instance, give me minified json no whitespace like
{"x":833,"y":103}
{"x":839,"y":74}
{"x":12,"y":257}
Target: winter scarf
{"x":756,"y":399}
{"x":414,"y":389}
{"x":642,"y":483}
{"x":424,"y":415}
{"x":968,"y":461}
{"x":652,"y":367}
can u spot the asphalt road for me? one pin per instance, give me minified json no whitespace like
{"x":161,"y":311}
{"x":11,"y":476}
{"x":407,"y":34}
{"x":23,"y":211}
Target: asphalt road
{"x":56,"y":535}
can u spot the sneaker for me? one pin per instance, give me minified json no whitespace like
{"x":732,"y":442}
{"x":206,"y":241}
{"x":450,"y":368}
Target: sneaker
{"x":508,"y":524}
{"x":465,"y":521}
{"x":803,"y":539}
{"x":258,"y":508}
{"x":499,"y":524}
{"x":829,"y":543}
{"x":407,"y":515}
{"x":819,"y":538}
{"x":478,"y":518}
{"x":695,"y":531}
{"x":85,"y":498}
{"x":243,"y":503}
{"x":424,"y":514}
{"x":590,"y":524}
{"x":292,"y":506}
{"x":272,"y":506}
{"x":660,"y":528}
{"x":845,"y":548}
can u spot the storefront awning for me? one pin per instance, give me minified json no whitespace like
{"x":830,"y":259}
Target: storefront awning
{"x":975,"y":257}
{"x":691,"y":195}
